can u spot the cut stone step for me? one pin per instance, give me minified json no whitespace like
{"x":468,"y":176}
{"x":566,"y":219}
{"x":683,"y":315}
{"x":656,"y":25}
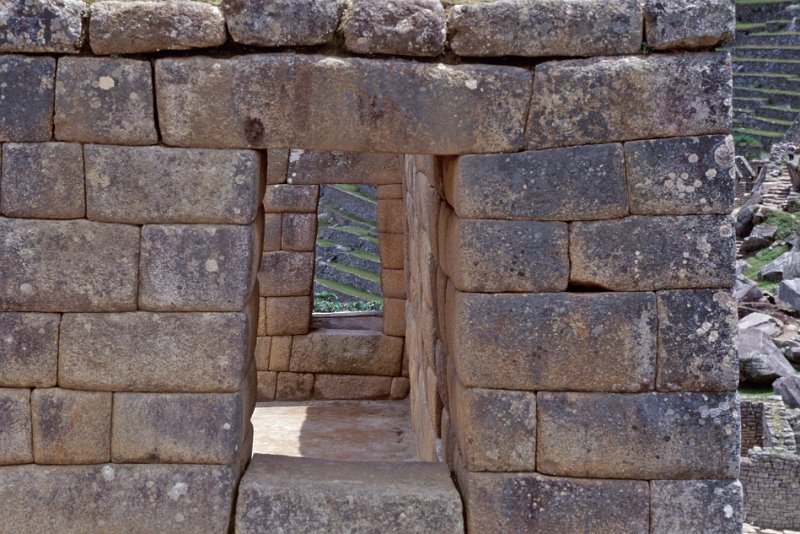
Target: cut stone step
{"x":285,"y":494}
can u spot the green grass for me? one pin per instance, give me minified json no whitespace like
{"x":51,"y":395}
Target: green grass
{"x":351,"y":291}
{"x":746,"y":140}
{"x":768,"y":91}
{"x":788,"y":224}
{"x":763,"y":133}
{"x":325,"y":302}
{"x":756,"y":262}
{"x":764,"y":75}
{"x":363,"y":233}
{"x":759,"y":392}
{"x":355,"y":271}
{"x":790,"y":109}
{"x":777,"y":122}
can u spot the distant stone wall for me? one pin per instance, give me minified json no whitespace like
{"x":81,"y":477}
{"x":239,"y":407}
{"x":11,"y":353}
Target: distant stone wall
{"x":771,"y":482}
{"x":558,"y":257}
{"x":753,"y":425}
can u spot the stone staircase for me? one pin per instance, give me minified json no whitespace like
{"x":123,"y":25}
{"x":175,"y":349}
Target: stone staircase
{"x":347,"y":258}
{"x":766,"y":78}
{"x":294,"y":495}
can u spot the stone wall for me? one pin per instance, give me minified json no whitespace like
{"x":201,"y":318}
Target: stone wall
{"x":771,"y":482}
{"x":566,"y":305}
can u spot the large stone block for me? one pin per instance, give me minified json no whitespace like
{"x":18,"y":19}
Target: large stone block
{"x":671,"y":24}
{"x":288,"y":316}
{"x":392,"y":249}
{"x":291,"y":198}
{"x":495,"y":429}
{"x":646,"y":253}
{"x":68,"y":266}
{"x":486,"y":256}
{"x":695,"y":506}
{"x":560,"y":341}
{"x":683,"y":176}
{"x":26,"y":97}
{"x":282,"y":22}
{"x":560,"y":184}
{"x":644,"y":436}
{"x":313,"y":167}
{"x":499,"y":503}
{"x":15,"y":427}
{"x":299,"y":232}
{"x":277,"y":165}
{"x":36,"y":27}
{"x":28,"y":349}
{"x":632,"y":97}
{"x":358,"y":387}
{"x":311,"y":495}
{"x":396,"y":27}
{"x":42,"y":181}
{"x":294,"y":386}
{"x":96,"y":499}
{"x":355,"y":352}
{"x":286,"y":274}
{"x":169,"y":352}
{"x":197,"y":267}
{"x":71,"y":427}
{"x":102,"y":100}
{"x":144,"y":185}
{"x":391,"y":215}
{"x":193,"y":428}
{"x":349,"y":104}
{"x":546,"y":28}
{"x":131,"y":28}
{"x":697,"y":341}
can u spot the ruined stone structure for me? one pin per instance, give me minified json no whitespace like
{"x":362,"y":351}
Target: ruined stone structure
{"x":561,"y":295}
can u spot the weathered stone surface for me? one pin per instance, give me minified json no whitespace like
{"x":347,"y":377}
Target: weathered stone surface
{"x":313,"y":167}
{"x":102,"y":100}
{"x":280,"y":353}
{"x":486,"y":256}
{"x":266,"y":382}
{"x":760,"y":361}
{"x":398,"y":27}
{"x":288,"y":316}
{"x":539,"y":28}
{"x":393,"y":283}
{"x":390,"y":497}
{"x":762,"y":321}
{"x":788,"y":387}
{"x":358,"y":387}
{"x":697,"y":341}
{"x":645,"y":253}
{"x":671,"y":24}
{"x":394,"y":317}
{"x":170,"y":352}
{"x":390,"y":191}
{"x":294,"y":386}
{"x":282,"y":22}
{"x":277,"y":165}
{"x":683,"y":176}
{"x":400,"y":388}
{"x":392,"y":250}
{"x":644,"y":436}
{"x":527,"y":502}
{"x":787,"y":265}
{"x":15,"y":427}
{"x":42,"y":181}
{"x":28,"y":349}
{"x":192,"y":428}
{"x":561,"y":184}
{"x":263,"y":347}
{"x":789,"y":293}
{"x":633,"y":97}
{"x":146,"y":499}
{"x":26,"y":97}
{"x":272,"y":232}
{"x":355,"y":352}
{"x":136,"y":27}
{"x":457,"y":112}
{"x":299,"y":232}
{"x":762,"y":236}
{"x":560,"y":341}
{"x":695,"y":506}
{"x":745,"y":290}
{"x":495,"y":429}
{"x":71,"y":427}
{"x":197,"y":267}
{"x":286,"y":274}
{"x":391,"y":215}
{"x":291,"y":198}
{"x":143,"y":185}
{"x":68,"y":266}
{"x":36,"y":27}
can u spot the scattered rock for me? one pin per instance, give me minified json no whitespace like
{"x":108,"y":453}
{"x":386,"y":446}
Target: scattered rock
{"x":760,"y":237}
{"x":789,"y":293}
{"x":741,"y":267}
{"x":791,"y":351}
{"x":761,"y":321}
{"x":788,"y":388}
{"x":773,"y":271}
{"x":760,"y":361}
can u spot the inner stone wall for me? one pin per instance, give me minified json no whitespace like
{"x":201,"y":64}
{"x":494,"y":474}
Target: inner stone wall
{"x":568,"y":265}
